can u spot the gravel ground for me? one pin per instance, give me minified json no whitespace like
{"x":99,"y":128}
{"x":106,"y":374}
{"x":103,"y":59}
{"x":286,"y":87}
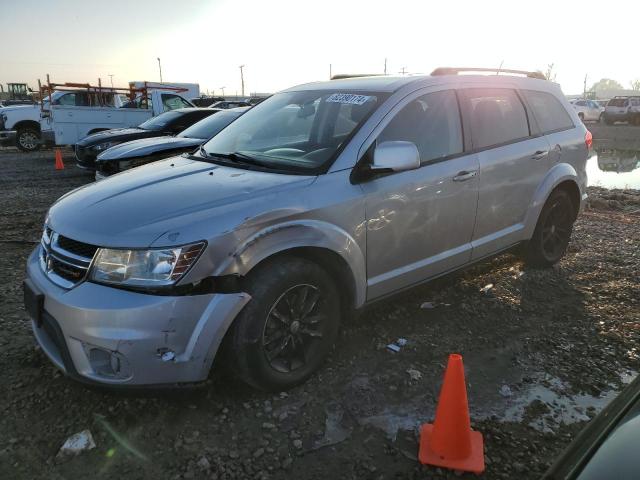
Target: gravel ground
{"x":544,"y":351}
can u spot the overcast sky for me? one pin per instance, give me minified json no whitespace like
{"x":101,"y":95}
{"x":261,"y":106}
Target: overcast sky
{"x":286,"y":42}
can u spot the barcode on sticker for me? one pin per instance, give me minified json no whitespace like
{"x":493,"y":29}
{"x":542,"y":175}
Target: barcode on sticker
{"x":349,"y":98}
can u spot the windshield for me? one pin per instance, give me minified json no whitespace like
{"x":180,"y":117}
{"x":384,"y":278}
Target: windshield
{"x":210,"y":126}
{"x":296,"y":130}
{"x":160,"y":122}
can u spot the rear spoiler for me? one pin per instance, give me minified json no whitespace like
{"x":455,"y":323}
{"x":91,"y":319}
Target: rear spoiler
{"x":497,"y":71}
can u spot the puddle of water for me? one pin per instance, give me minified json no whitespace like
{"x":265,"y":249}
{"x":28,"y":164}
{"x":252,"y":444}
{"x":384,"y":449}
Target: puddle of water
{"x":560,"y":406}
{"x":613,"y":168}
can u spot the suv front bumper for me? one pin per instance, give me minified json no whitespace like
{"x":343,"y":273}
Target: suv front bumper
{"x":106,"y":335}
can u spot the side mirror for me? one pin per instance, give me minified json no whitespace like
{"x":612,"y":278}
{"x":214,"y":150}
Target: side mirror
{"x":396,"y":156}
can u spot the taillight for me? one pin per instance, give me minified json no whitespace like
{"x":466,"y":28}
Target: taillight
{"x":588,"y":139}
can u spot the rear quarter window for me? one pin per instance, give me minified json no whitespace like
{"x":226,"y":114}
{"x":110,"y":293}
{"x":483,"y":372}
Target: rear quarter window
{"x":548,"y":111}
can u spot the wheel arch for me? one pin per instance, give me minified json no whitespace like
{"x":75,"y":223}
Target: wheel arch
{"x":563,"y":176}
{"x":27,"y":124}
{"x":325,"y":244}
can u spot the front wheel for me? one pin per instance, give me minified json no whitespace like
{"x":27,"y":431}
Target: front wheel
{"x":289,"y":327}
{"x":553,"y":231}
{"x":28,"y":139}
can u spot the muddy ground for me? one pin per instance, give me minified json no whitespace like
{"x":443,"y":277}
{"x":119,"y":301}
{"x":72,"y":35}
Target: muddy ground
{"x":543,"y":351}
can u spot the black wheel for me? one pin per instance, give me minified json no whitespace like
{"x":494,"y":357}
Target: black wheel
{"x":288,"y":328}
{"x":28,"y":139}
{"x":553,"y":231}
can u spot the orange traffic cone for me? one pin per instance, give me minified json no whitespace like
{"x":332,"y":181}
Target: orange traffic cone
{"x":450,"y":442}
{"x":59,"y":163}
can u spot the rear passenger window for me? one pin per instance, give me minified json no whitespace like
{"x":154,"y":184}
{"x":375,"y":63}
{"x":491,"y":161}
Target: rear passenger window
{"x":432,"y":122}
{"x":549,"y":112}
{"x":497,"y":116}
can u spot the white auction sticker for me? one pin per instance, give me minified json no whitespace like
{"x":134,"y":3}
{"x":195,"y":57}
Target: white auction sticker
{"x":348,"y":98}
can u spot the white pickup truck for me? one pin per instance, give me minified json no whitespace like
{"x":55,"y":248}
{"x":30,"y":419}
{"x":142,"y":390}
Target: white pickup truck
{"x":75,"y":114}
{"x":65,"y":124}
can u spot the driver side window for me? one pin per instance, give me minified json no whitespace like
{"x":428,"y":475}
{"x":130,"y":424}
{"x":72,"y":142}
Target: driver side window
{"x":432,"y":123}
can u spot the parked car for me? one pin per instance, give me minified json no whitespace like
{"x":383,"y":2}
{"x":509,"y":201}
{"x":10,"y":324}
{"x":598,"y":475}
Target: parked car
{"x":224,"y":104}
{"x":316,"y":202}
{"x":168,"y":123}
{"x":139,"y":152}
{"x":622,"y":109}
{"x":205,"y":101}
{"x":608,"y":445}
{"x":588,"y":110}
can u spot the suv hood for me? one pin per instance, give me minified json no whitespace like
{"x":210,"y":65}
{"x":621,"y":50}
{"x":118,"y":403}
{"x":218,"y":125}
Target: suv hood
{"x":148,"y":146}
{"x":194,"y":200}
{"x":117,"y":135}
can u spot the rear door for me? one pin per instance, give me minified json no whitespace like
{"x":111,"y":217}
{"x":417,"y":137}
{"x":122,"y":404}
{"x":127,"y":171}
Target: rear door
{"x":513,"y":161}
{"x":554,"y":122}
{"x":420,"y":222}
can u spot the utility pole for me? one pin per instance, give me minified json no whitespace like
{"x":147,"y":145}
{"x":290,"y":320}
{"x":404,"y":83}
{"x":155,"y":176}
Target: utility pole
{"x":385,"y":66}
{"x":242,"y":78}
{"x":160,"y":68}
{"x":584,"y":88}
{"x":403,"y":71}
{"x":222,"y":88}
{"x":499,"y":68}
{"x":111,"y":77}
{"x":330,"y":74}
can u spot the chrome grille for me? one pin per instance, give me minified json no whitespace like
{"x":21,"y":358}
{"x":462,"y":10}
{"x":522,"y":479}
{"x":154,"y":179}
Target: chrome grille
{"x":65,"y":261}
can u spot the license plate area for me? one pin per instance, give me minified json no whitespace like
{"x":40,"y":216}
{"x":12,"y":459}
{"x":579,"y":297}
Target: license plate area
{"x":33,"y":301}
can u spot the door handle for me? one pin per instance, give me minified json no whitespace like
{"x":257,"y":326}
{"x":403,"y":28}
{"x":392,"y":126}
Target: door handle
{"x":464,"y":176}
{"x":540,"y":154}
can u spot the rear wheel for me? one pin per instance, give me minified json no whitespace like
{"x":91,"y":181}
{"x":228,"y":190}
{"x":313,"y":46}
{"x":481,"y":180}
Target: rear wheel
{"x":289,"y":327}
{"x":553,"y":231}
{"x":28,"y":139}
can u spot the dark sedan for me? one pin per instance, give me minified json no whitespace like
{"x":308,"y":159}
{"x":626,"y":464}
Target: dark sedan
{"x":168,"y":123}
{"x":138,"y":152}
{"x":608,"y":447}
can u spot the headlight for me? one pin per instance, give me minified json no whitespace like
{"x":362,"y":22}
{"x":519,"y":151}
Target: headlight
{"x":103,"y":146}
{"x":144,"y":268}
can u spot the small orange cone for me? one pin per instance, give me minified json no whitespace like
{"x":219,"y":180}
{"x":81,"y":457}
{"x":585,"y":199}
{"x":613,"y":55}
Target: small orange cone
{"x":450,"y":442}
{"x":59,"y":163}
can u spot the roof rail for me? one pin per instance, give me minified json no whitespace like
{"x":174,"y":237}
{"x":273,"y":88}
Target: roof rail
{"x":456,"y":70}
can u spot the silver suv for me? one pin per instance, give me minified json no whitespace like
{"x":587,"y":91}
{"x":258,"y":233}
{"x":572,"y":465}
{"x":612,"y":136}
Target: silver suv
{"x":319,"y":200}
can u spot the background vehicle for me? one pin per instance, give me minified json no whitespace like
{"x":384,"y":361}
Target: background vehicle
{"x":138,"y":152}
{"x":71,"y":119}
{"x":316,"y":202}
{"x":230,"y":104}
{"x":205,"y":101}
{"x":621,"y":109}
{"x":588,"y":110}
{"x":608,"y":445}
{"x":168,"y":123}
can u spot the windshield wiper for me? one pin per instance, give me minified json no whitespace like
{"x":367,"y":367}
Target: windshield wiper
{"x":237,"y":157}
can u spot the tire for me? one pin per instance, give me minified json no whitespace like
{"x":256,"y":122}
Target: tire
{"x":28,"y":139}
{"x":553,"y":231}
{"x":274,"y":346}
